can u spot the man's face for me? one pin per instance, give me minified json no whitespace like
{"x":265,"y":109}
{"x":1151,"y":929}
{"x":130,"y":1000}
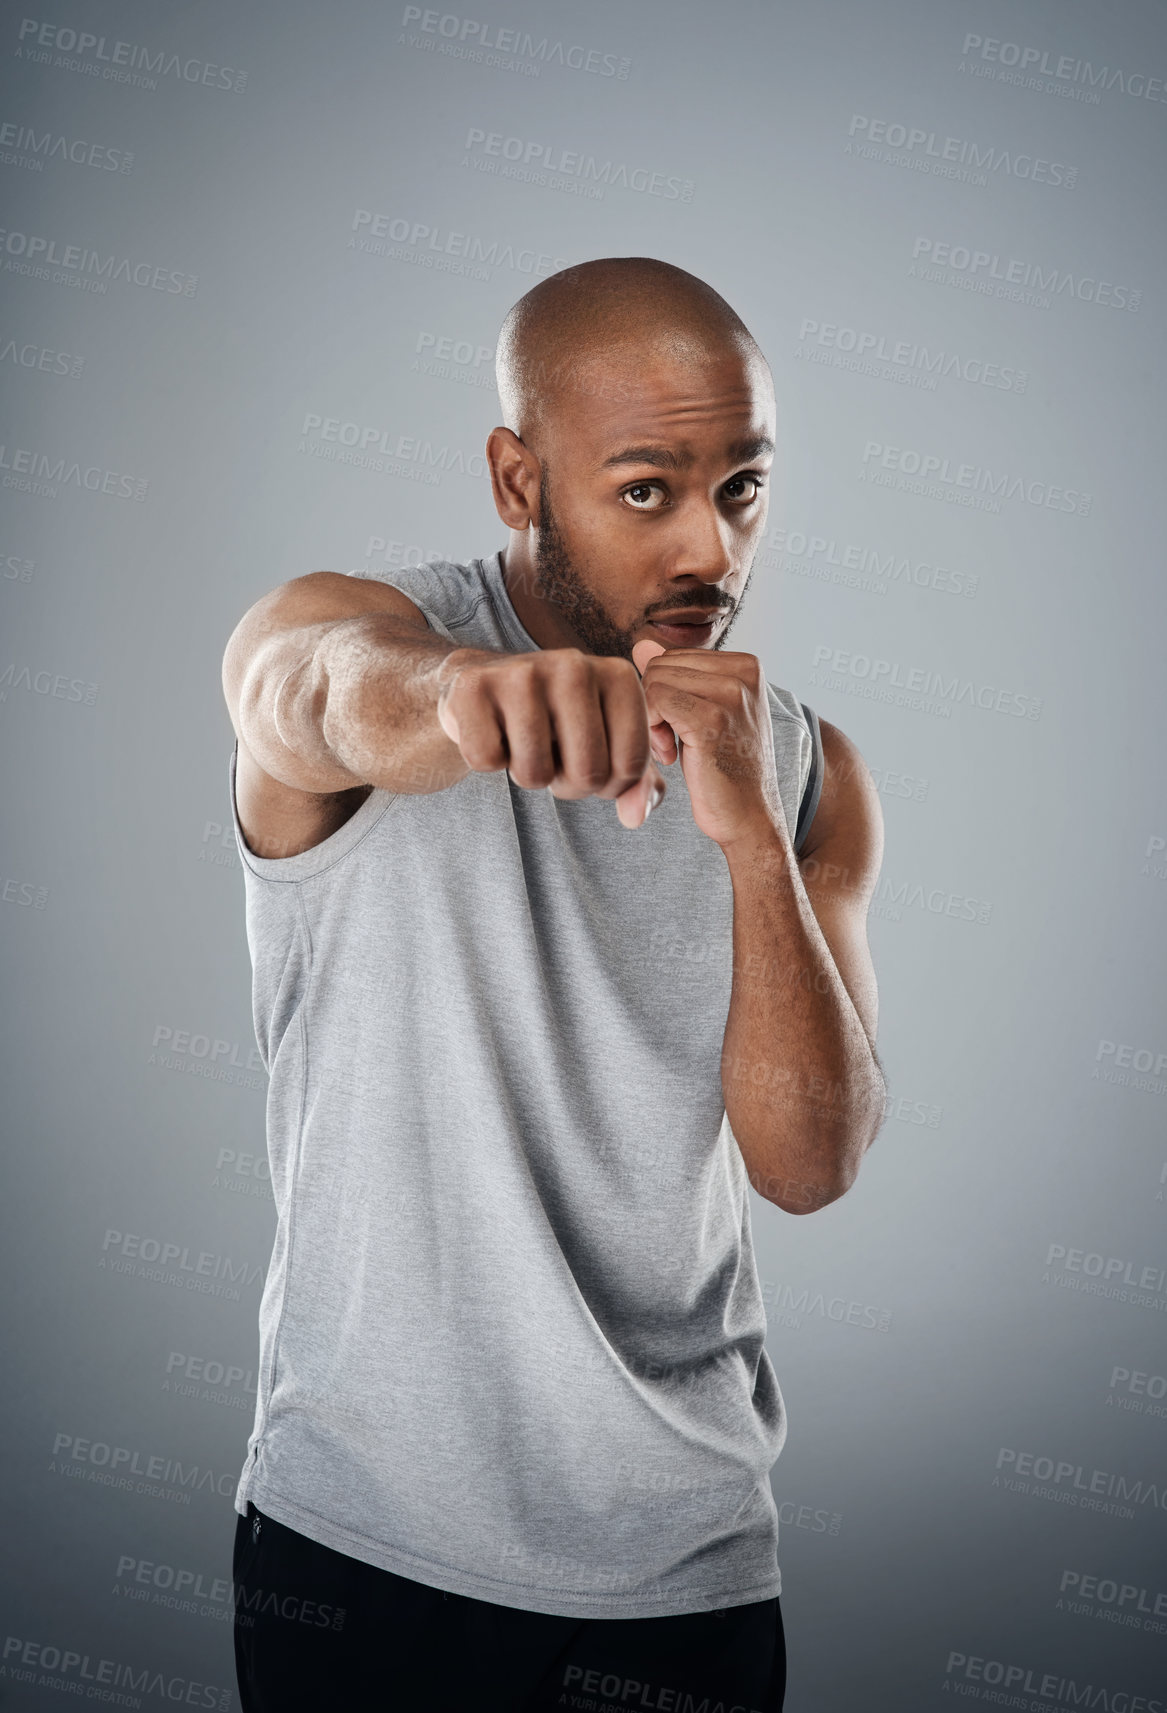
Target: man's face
{"x":656,"y":501}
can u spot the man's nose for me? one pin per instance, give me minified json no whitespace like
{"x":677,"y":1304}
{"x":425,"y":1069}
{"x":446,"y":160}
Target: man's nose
{"x":705,"y":547}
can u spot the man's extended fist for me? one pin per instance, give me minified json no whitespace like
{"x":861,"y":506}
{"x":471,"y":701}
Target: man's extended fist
{"x":572,"y":723}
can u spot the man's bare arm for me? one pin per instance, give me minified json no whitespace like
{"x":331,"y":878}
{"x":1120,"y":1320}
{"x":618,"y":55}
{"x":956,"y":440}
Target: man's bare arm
{"x":332,"y":683}
{"x":804,"y":1087}
{"x":337,"y":686}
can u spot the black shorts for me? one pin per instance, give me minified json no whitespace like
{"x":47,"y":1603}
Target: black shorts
{"x":315,"y":1629}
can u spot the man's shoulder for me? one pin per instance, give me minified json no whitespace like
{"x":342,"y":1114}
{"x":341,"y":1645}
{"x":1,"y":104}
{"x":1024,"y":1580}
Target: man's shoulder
{"x":446,"y":590}
{"x":849,"y":802}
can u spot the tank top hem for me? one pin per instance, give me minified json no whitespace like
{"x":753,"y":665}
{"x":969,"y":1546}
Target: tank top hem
{"x":524,"y":1596}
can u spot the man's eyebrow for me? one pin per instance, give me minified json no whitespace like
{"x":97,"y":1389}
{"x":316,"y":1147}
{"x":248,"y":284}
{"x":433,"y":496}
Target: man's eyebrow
{"x":661,"y":457}
{"x":756,"y":446}
{"x":664,"y":458}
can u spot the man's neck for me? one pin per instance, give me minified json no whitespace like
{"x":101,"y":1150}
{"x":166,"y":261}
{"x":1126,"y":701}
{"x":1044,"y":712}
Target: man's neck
{"x":538,"y":617}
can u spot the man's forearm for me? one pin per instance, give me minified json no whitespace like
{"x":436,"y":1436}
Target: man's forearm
{"x":803,"y":1091}
{"x":362,"y":703}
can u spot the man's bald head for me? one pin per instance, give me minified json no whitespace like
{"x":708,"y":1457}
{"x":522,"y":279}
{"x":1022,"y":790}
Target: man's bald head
{"x":587,"y":331}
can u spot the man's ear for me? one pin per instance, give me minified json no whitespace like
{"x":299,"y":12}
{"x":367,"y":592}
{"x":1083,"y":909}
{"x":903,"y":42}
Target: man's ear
{"x":514,"y":479}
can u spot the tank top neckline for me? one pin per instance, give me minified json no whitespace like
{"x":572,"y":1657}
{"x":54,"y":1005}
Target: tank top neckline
{"x":495,"y":579}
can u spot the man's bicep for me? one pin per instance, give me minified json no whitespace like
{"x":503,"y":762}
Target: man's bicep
{"x":840,"y":865}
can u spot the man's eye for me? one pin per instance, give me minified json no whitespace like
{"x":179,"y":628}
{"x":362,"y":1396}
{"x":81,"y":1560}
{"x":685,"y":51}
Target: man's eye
{"x":641,"y":493}
{"x":738,"y":481}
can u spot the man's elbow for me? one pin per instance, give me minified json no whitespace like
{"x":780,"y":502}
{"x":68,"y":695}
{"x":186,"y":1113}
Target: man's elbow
{"x":794,"y":1196}
{"x":815,"y":1196}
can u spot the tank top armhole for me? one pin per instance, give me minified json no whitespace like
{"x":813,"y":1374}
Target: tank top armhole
{"x":305,"y":865}
{"x":814,"y":780}
{"x":406,"y":586}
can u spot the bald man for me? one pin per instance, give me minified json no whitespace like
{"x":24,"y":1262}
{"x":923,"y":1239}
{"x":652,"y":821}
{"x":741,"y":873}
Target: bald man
{"x":557,"y":915}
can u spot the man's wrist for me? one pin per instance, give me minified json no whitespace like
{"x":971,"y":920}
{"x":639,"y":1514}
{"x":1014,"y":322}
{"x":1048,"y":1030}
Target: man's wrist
{"x":454,"y":660}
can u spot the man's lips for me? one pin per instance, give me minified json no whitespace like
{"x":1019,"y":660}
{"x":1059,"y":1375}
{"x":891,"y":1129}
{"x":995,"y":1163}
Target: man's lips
{"x":692,"y":627}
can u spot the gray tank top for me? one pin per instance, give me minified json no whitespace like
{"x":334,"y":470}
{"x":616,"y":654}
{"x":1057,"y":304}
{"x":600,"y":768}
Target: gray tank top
{"x":511,"y":1335}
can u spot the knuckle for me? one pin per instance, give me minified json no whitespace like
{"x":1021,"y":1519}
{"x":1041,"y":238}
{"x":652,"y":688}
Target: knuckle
{"x":467,"y":680}
{"x":480,"y":756}
{"x":617,"y":667}
{"x":577,"y":669}
{"x":588,"y":768}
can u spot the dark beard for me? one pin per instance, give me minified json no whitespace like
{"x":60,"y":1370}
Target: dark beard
{"x":558,"y":582}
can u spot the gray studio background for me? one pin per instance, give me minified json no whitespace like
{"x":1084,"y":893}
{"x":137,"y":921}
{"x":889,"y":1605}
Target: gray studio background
{"x":249,"y":237}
